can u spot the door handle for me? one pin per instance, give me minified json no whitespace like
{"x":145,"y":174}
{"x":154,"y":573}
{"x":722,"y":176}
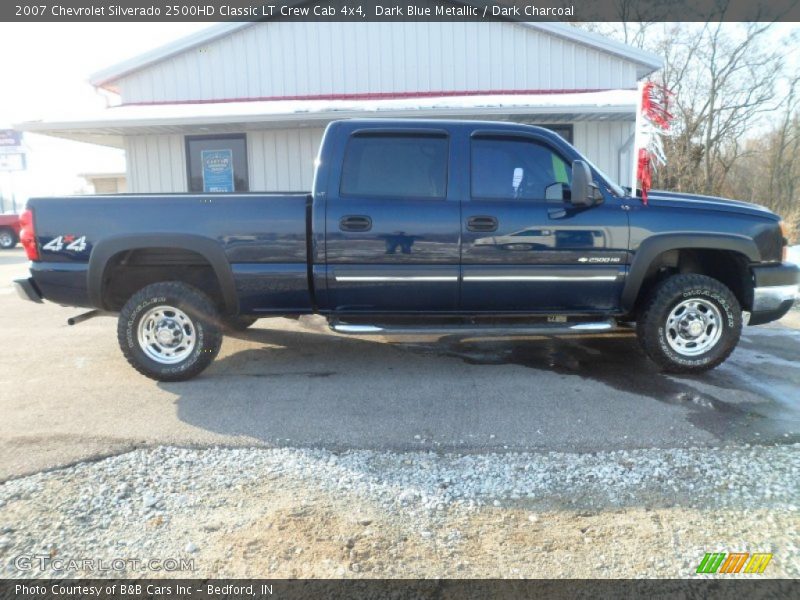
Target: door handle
{"x":482,"y":223}
{"x":355,"y":223}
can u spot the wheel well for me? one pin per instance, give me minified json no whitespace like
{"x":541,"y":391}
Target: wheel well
{"x":726,"y":266}
{"x":130,"y":270}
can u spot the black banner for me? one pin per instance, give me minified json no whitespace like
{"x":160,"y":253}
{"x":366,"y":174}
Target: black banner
{"x":364,"y":589}
{"x":402,"y":10}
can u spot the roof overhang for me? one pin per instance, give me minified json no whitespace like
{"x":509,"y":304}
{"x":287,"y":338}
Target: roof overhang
{"x":101,"y":175}
{"x":110,"y":126}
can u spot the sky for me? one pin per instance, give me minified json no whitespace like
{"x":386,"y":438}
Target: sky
{"x":43,"y":75}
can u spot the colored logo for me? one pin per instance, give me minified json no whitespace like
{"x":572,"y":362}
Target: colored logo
{"x":735,"y":562}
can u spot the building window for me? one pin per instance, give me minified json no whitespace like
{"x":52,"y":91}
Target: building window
{"x":395,"y":166}
{"x":505,"y":168}
{"x":217,"y":163}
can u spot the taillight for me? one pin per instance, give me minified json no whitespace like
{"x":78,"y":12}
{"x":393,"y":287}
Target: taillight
{"x":27,"y":235}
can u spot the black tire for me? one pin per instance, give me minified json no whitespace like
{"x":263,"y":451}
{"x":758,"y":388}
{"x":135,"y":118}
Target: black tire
{"x":199,"y":323}
{"x":8,"y":239}
{"x":658,"y":337}
{"x":237,"y":323}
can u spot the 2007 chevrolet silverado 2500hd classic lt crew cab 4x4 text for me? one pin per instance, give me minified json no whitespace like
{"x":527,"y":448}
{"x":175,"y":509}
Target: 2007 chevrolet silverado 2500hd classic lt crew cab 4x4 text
{"x":417,"y":226}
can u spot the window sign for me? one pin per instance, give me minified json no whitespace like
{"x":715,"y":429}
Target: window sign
{"x":217,"y":170}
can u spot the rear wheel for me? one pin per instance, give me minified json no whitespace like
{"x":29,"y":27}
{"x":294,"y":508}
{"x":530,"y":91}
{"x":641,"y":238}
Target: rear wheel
{"x":167,"y":331}
{"x":8,"y":239}
{"x":689,"y":324}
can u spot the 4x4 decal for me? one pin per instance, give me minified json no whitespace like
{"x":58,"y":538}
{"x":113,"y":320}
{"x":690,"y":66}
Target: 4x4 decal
{"x":66,"y":242}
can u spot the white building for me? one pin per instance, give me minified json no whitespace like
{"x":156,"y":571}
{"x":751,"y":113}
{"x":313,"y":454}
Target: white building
{"x":106,"y":183}
{"x":266,"y":90}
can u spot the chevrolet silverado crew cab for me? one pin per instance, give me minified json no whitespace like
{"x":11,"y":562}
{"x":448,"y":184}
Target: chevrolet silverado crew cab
{"x":417,"y":226}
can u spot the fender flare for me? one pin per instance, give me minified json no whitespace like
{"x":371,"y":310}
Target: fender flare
{"x":656,"y":245}
{"x":205,"y":247}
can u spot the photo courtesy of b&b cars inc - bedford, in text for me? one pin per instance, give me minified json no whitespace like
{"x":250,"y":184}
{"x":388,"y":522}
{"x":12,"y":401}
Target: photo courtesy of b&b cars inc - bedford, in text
{"x":434,"y":299}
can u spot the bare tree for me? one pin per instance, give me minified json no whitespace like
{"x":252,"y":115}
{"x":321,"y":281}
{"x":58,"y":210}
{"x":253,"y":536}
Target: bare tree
{"x":770,"y":170}
{"x":784,"y":153}
{"x":722,"y":81}
{"x":736,"y":101}
{"x":637,"y":34}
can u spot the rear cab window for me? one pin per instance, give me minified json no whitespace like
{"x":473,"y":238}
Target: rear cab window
{"x":392,"y":165}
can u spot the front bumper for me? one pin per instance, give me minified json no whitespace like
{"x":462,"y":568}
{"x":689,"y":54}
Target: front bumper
{"x":775,"y":291}
{"x":28,"y":290}
{"x":773,"y":297}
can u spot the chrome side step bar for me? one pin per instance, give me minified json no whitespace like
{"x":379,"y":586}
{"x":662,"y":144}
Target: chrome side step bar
{"x":475,"y":330}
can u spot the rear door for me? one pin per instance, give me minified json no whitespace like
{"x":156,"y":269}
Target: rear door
{"x":525,"y":253}
{"x":392,"y":223}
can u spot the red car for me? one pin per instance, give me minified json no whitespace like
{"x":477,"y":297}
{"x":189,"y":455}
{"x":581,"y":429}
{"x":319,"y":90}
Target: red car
{"x":9,"y":231}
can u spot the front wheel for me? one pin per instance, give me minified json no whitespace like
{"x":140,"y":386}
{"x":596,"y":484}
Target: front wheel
{"x":689,"y":324}
{"x":167,"y":331}
{"x":8,"y":239}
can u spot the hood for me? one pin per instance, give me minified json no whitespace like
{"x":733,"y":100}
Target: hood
{"x":681,"y":200}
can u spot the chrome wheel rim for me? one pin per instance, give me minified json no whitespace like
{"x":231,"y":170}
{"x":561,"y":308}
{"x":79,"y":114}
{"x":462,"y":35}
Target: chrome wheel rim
{"x":166,"y":334}
{"x":694,"y":327}
{"x":5,"y":239}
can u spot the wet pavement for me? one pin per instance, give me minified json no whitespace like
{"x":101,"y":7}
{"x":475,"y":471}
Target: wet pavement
{"x":755,"y":395}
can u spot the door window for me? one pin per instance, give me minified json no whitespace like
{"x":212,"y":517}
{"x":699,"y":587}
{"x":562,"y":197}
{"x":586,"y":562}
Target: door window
{"x":407,"y":166}
{"x":515,"y":169}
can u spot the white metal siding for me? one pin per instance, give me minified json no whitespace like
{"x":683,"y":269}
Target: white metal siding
{"x":155,"y":163}
{"x":601,"y":142}
{"x":280,"y":59}
{"x":108,"y":185}
{"x":282,"y":159}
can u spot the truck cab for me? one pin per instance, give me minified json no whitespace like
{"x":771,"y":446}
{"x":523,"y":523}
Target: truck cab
{"x":463,"y":217}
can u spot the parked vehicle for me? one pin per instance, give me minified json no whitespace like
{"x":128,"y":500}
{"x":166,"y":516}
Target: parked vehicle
{"x":417,"y":226}
{"x":9,"y":231}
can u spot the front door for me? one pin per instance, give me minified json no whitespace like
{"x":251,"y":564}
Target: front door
{"x":392,"y":225}
{"x":524,"y":253}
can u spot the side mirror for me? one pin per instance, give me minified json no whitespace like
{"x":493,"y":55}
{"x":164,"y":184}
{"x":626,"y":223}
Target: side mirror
{"x":584,"y":192}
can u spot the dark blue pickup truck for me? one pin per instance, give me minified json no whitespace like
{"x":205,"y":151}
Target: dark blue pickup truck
{"x":417,"y":226}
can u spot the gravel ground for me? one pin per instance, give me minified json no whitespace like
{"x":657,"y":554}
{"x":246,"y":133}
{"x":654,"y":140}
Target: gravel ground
{"x":311,"y":513}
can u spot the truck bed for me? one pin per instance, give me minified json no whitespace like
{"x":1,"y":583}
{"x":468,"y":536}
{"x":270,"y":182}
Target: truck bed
{"x":261,"y":235}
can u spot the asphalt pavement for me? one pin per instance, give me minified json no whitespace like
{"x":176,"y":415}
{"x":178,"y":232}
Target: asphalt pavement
{"x":67,"y":394}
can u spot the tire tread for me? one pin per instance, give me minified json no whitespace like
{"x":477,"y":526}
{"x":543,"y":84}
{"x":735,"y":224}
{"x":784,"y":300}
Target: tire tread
{"x":198,"y":303}
{"x":663,"y":294}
